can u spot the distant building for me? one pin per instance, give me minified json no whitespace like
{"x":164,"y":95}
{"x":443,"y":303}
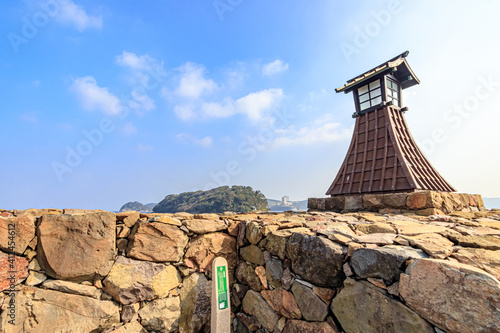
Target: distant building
{"x":286,"y":201}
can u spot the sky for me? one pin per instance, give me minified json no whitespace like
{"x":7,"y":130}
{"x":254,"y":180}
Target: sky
{"x":105,"y":102}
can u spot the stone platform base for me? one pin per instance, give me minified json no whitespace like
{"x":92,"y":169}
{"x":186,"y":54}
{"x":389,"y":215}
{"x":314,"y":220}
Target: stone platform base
{"x":422,"y":202}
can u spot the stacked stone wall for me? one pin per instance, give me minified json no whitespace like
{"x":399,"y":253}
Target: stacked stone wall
{"x":96,"y":271}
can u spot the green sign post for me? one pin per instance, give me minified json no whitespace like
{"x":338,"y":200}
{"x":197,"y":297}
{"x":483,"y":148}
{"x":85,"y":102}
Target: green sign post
{"x":221,"y":306}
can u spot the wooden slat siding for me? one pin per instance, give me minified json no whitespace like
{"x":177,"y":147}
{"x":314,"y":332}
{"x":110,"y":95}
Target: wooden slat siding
{"x":384,"y":166}
{"x":361,"y":181}
{"x":374,"y":161}
{"x":445,"y":186}
{"x":404,"y":160}
{"x":427,"y":176}
{"x":409,"y":171}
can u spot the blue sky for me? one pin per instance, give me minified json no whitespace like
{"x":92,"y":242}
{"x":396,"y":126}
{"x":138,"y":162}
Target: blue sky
{"x":106,"y":102}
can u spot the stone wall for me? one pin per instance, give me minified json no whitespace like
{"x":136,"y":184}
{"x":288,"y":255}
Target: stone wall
{"x":421,"y":202}
{"x":96,"y":271}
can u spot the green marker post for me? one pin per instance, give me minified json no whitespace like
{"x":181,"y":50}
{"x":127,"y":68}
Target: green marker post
{"x":221,"y":305}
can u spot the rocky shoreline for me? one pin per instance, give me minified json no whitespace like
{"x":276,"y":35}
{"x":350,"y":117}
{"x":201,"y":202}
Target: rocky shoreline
{"x":96,"y":271}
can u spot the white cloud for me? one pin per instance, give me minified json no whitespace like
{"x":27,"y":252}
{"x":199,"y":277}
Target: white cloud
{"x":73,"y":14}
{"x":186,"y":138}
{"x":274,"y":67}
{"x":192,"y":83}
{"x":253,"y":105}
{"x":92,"y":97}
{"x":129,"y":128}
{"x":185,"y":112}
{"x":140,"y":101}
{"x":205,"y":142}
{"x":328,"y":132}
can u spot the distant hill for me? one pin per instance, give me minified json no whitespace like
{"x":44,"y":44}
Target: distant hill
{"x":236,"y":199}
{"x":137,"y":206}
{"x":491,"y":203}
{"x":279,"y":206}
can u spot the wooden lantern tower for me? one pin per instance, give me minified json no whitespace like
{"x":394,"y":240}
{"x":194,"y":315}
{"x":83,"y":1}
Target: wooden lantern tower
{"x":383,"y":156}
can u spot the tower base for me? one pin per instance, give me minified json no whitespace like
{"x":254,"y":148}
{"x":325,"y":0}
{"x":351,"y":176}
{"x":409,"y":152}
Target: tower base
{"x":420,"y":202}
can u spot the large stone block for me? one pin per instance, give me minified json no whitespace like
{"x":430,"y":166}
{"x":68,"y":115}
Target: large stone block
{"x":316,"y":259}
{"x":453,"y":296}
{"x":203,"y":226}
{"x":12,"y":263}
{"x":383,"y":262}
{"x":299,"y":326}
{"x":40,"y":310}
{"x":203,"y":249}
{"x":161,"y":315}
{"x":353,"y":203}
{"x":18,"y":231}
{"x":424,"y":199}
{"x":156,"y":241}
{"x":131,"y":281}
{"x":310,"y":305}
{"x":283,"y":302}
{"x":254,"y":304}
{"x":77,"y":247}
{"x":195,"y":296}
{"x":361,"y":308}
{"x":312,"y":203}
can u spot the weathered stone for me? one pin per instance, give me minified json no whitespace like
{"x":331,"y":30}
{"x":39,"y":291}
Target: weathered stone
{"x":251,"y":323}
{"x":418,"y":229}
{"x":195,"y":296}
{"x":132,"y":327}
{"x":353,"y":203}
{"x":299,"y":326}
{"x":260,"y":271}
{"x":161,"y":315}
{"x":373,"y":201}
{"x":156,"y":241}
{"x":206,"y":216}
{"x":321,"y":203}
{"x":232,"y":229}
{"x":129,"y":312}
{"x":254,"y":304}
{"x":429,"y":212}
{"x":434,"y":245}
{"x":19,"y":265}
{"x":488,"y":261}
{"x":371,"y":217}
{"x":35,"y":278}
{"x":122,"y":244}
{"x":37,"y":212}
{"x":21,"y":230}
{"x":276,"y":243}
{"x":335,"y":228}
{"x":246,"y":274}
{"x":287,"y":279}
{"x":361,"y":308}
{"x":424,"y":199}
{"x":485,"y":242}
{"x":347,"y":269}
{"x":381,"y":239}
{"x":324,"y":293}
{"x":131,"y":281}
{"x":203,"y":249}
{"x":72,"y":288}
{"x":253,"y":233}
{"x":283,"y":302}
{"x":166,"y":219}
{"x":274,"y":272}
{"x":383,"y":262}
{"x":253,"y":254}
{"x":199,"y":226}
{"x":77,"y":247}
{"x":303,"y":251}
{"x":184,"y":215}
{"x":375,"y":228}
{"x":122,"y":231}
{"x":310,"y":305}
{"x":40,"y":310}
{"x":453,"y":296}
{"x":129,"y":218}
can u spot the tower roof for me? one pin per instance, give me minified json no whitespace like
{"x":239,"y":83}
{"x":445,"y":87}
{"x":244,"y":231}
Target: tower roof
{"x":398,"y":65}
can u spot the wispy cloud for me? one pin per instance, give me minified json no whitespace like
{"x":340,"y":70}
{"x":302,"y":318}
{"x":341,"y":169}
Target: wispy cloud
{"x":129,"y":128}
{"x":73,"y":14}
{"x":274,"y":67}
{"x":307,"y":135}
{"x":193,"y":83}
{"x":92,"y":97}
{"x":186,"y":138}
